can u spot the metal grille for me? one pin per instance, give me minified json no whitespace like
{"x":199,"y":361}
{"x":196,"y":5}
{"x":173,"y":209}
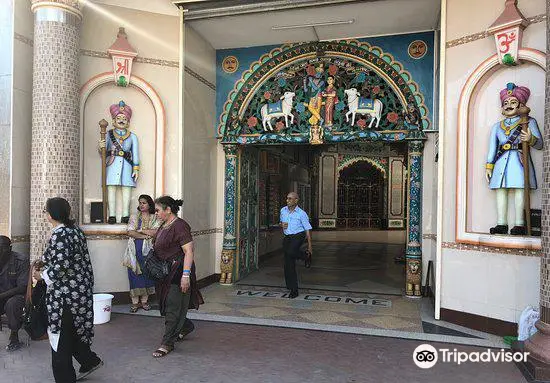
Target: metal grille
{"x":360,"y":197}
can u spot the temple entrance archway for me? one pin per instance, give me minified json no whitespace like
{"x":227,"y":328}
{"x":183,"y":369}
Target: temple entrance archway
{"x":322,"y":93}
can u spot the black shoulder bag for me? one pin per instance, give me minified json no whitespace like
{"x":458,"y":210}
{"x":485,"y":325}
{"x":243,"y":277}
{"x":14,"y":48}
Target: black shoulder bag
{"x":35,"y":314}
{"x":154,"y":268}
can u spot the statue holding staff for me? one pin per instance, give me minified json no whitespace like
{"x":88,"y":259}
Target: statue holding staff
{"x":506,"y":159}
{"x":121,"y":161}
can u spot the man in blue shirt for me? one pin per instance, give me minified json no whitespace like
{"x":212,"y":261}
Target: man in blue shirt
{"x":296,"y":228}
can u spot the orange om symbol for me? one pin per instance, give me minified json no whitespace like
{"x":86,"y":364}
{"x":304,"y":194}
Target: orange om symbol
{"x":505,"y":40}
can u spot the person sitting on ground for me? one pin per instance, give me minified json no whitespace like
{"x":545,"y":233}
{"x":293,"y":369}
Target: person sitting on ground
{"x":14,"y":277}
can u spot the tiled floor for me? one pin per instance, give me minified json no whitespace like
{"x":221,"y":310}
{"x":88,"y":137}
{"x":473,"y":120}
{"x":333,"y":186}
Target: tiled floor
{"x":230,"y":353}
{"x":351,"y":288}
{"x":342,"y":266}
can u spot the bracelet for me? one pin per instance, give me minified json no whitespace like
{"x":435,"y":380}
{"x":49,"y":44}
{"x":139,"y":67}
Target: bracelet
{"x":185,"y":276}
{"x":186,"y":270}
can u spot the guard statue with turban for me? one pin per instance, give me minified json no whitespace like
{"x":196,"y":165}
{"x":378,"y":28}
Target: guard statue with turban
{"x":504,"y":168}
{"x":122,"y":161}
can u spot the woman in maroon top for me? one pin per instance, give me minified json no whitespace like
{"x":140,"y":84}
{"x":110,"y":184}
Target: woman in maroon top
{"x":178,"y":291}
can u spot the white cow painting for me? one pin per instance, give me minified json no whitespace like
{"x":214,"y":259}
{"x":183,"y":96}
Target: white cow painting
{"x":283,"y":108}
{"x":361,"y":105}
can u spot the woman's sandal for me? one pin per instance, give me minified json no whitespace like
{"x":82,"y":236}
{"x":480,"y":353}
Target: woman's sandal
{"x":146,"y":306}
{"x":162,"y":351}
{"x":134,"y":308}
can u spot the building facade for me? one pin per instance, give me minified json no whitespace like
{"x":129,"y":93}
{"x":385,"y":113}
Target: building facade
{"x":231,"y":128}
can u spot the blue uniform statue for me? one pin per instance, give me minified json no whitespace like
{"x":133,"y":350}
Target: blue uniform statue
{"x":504,"y":168}
{"x":122,"y":160}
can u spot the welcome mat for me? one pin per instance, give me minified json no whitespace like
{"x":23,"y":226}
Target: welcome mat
{"x":358,"y":301}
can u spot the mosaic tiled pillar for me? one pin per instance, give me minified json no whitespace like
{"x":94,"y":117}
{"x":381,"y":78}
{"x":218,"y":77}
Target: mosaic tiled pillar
{"x":414,"y":230}
{"x":539,"y":344}
{"x":230,"y":203}
{"x":55,"y":157}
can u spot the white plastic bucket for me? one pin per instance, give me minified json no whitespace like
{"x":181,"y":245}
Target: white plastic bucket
{"x":102,"y":308}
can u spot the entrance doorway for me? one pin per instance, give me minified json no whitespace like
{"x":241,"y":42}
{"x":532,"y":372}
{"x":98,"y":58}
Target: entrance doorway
{"x":361,"y":197}
{"x":354,"y":263}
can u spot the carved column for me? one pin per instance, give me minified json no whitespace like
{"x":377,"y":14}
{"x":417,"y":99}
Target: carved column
{"x":55,"y":158}
{"x":539,"y":344}
{"x":414,"y":215}
{"x":230,"y":206}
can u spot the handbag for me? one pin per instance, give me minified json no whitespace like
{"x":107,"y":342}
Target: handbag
{"x":35,"y":314}
{"x":129,"y":258}
{"x":154,"y":268}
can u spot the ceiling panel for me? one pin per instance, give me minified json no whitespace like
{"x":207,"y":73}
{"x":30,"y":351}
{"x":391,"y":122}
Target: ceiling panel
{"x":371,"y":18}
{"x":164,"y":7}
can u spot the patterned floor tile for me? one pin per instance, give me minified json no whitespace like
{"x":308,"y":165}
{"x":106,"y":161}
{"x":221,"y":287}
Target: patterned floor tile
{"x":264,"y":312}
{"x":389,"y":322}
{"x":215,"y":307}
{"x":324,"y":317}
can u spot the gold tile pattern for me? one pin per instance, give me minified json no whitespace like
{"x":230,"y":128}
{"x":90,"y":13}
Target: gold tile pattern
{"x":263,"y":312}
{"x":388,"y":322}
{"x":325,"y":317}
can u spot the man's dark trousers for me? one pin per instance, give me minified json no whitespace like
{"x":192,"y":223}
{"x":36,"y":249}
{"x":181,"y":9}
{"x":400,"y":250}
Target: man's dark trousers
{"x":13,"y":308}
{"x":291,"y":248}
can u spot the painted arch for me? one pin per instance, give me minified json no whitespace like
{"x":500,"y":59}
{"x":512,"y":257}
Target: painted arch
{"x":352,"y":64}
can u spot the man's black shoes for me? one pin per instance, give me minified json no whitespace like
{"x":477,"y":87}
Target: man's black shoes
{"x":518,"y":230}
{"x":499,"y":229}
{"x":293,"y":294}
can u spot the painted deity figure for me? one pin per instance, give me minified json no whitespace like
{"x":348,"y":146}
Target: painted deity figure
{"x":330,"y":100}
{"x":412,"y":117}
{"x":504,"y":167}
{"x":122,"y":160}
{"x":313,"y":86}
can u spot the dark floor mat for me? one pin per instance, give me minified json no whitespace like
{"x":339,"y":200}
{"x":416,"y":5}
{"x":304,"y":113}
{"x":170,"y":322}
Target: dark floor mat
{"x":430,"y":328}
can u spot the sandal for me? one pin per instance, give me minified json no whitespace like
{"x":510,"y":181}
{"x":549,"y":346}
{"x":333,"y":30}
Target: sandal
{"x":146,"y":306}
{"x":162,"y":351}
{"x":134,"y":308}
{"x":13,"y":346}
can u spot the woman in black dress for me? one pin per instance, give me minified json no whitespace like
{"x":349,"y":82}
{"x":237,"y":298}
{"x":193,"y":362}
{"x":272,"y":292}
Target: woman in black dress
{"x":68,"y":273}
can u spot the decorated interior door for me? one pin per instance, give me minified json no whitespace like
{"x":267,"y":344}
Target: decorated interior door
{"x":247,"y":250}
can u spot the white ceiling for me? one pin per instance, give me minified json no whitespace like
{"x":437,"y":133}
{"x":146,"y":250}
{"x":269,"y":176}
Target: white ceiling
{"x":371,"y":19}
{"x":164,"y":7}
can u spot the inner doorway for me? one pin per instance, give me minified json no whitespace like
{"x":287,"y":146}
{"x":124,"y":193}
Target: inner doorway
{"x":355,"y":261}
{"x":361,"y":197}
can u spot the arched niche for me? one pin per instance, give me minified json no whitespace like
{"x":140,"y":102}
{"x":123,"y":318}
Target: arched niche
{"x":478,"y":110}
{"x":148,"y":122}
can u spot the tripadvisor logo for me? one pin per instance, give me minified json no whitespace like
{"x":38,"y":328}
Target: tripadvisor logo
{"x":426,"y":356}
